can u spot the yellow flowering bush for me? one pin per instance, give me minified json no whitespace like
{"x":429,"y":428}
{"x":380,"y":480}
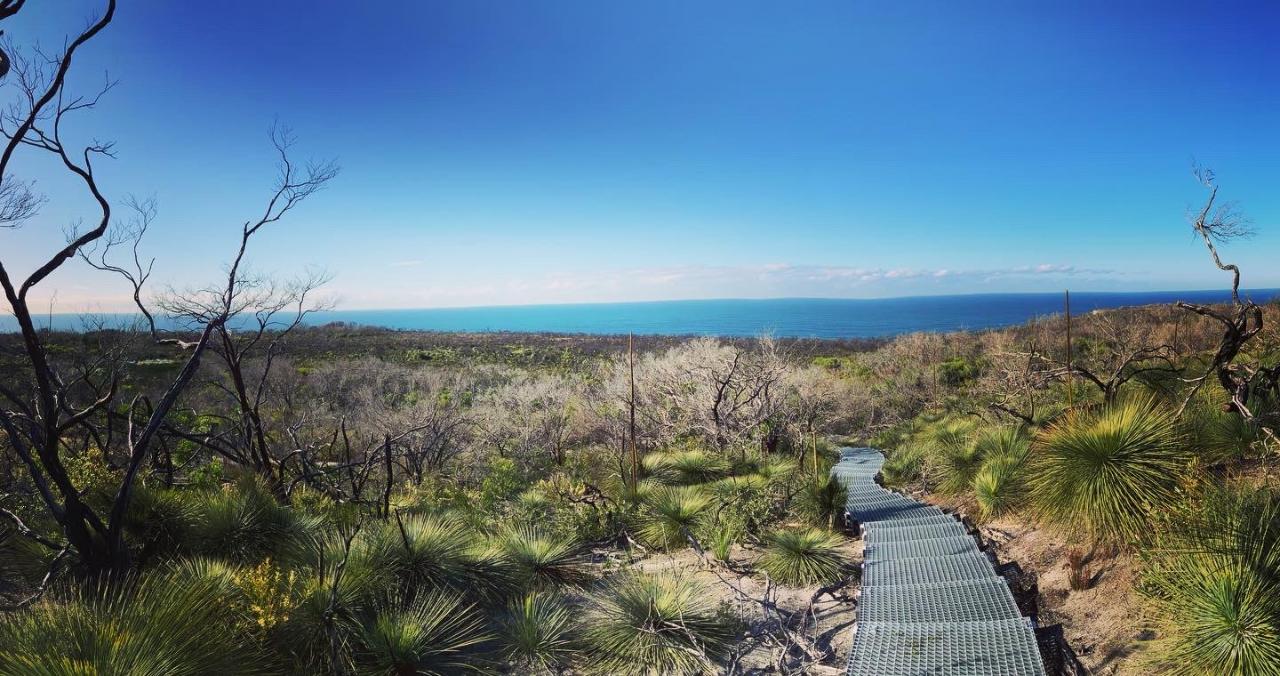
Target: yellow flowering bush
{"x":271,"y":593}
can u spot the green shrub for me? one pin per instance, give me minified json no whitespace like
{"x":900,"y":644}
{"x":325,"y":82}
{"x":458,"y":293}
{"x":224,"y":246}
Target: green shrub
{"x":244,"y":523}
{"x":654,"y":624}
{"x":955,"y":457}
{"x":685,"y":467}
{"x":803,"y":556}
{"x":540,"y":560}
{"x":957,"y":371}
{"x":821,"y":501}
{"x":537,"y":633}
{"x":158,"y":625}
{"x":1212,"y":580}
{"x":1102,"y":474}
{"x":433,"y":551}
{"x":434,"y":634}
{"x":999,"y":486}
{"x":903,"y":465}
{"x":671,"y":513}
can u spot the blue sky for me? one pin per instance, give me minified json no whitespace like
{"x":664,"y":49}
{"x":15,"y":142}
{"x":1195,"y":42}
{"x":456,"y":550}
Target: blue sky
{"x":499,"y":152}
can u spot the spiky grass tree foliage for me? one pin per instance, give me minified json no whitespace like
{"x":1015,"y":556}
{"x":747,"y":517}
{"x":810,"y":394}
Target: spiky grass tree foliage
{"x":1212,"y":579}
{"x":1223,"y":436}
{"x":1000,"y":485}
{"x":821,"y":501}
{"x":159,"y":521}
{"x":433,"y":551}
{"x":244,"y":523}
{"x":685,"y":467}
{"x":904,"y":465}
{"x":803,"y":556}
{"x":954,"y":459}
{"x":671,"y":513}
{"x":776,"y":470}
{"x":1103,"y":473}
{"x":655,"y":624}
{"x":158,"y":626}
{"x":541,"y":560}
{"x":537,"y":633}
{"x":433,"y":633}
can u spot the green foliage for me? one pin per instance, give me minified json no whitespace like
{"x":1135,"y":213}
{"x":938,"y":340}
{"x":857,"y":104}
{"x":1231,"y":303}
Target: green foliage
{"x":1212,"y":578}
{"x":433,"y":551}
{"x":722,"y":540}
{"x":501,"y":482}
{"x":434,"y":634}
{"x":160,"y":626}
{"x":538,"y":633}
{"x":803,"y":556}
{"x":654,"y":624}
{"x":1102,"y":474}
{"x":747,"y":502}
{"x":957,"y":371}
{"x":245,"y":523}
{"x":955,"y":457}
{"x":1222,"y":436}
{"x":1000,"y":485}
{"x":685,"y":467}
{"x":903,"y":465}
{"x":541,"y":560}
{"x":821,"y":501}
{"x":671,"y":512}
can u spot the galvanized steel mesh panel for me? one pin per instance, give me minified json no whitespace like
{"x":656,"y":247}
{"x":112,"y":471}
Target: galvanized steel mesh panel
{"x":1001,"y":648}
{"x":896,"y":513}
{"x":913,"y":549}
{"x":878,"y":532}
{"x":971,"y":566}
{"x":931,"y":603}
{"x":964,"y":601}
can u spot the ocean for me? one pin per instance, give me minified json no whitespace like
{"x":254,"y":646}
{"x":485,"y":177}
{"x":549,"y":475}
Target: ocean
{"x":784,"y":317}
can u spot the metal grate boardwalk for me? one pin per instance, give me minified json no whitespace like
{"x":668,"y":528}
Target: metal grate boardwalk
{"x":931,"y":602}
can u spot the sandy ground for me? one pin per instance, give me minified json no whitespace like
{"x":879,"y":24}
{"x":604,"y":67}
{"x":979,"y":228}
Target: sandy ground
{"x":1103,"y":624}
{"x":831,"y":616}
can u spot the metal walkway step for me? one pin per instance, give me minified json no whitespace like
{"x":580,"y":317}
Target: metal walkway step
{"x":962,"y":601}
{"x":1001,"y":648}
{"x":931,"y":603}
{"x":972,"y":566}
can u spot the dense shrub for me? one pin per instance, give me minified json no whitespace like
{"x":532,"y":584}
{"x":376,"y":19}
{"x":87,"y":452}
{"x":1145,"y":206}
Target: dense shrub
{"x":663,"y":623}
{"x":802,"y":556}
{"x":1103,"y":473}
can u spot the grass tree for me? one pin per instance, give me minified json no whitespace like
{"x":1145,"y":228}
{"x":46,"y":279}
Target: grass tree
{"x":432,"y":634}
{"x":672,"y":513}
{"x":1212,"y":581}
{"x":655,"y":624}
{"x":163,"y":624}
{"x":1103,"y":473}
{"x":538,"y":633}
{"x":803,"y":556}
{"x":541,"y":560}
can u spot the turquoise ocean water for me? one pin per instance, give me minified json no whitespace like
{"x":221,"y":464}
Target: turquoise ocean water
{"x":792,"y":317}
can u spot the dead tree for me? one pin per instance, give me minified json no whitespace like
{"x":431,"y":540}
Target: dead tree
{"x":1217,"y":223}
{"x":37,"y":423}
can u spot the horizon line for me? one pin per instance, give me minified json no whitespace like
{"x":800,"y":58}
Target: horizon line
{"x":1225,"y":291}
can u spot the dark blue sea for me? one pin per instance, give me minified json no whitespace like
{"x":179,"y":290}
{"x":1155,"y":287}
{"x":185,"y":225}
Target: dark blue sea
{"x":790,"y":317}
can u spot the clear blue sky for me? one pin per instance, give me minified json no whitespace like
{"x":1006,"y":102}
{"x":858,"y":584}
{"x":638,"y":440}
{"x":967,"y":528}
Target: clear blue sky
{"x":500,"y":152}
